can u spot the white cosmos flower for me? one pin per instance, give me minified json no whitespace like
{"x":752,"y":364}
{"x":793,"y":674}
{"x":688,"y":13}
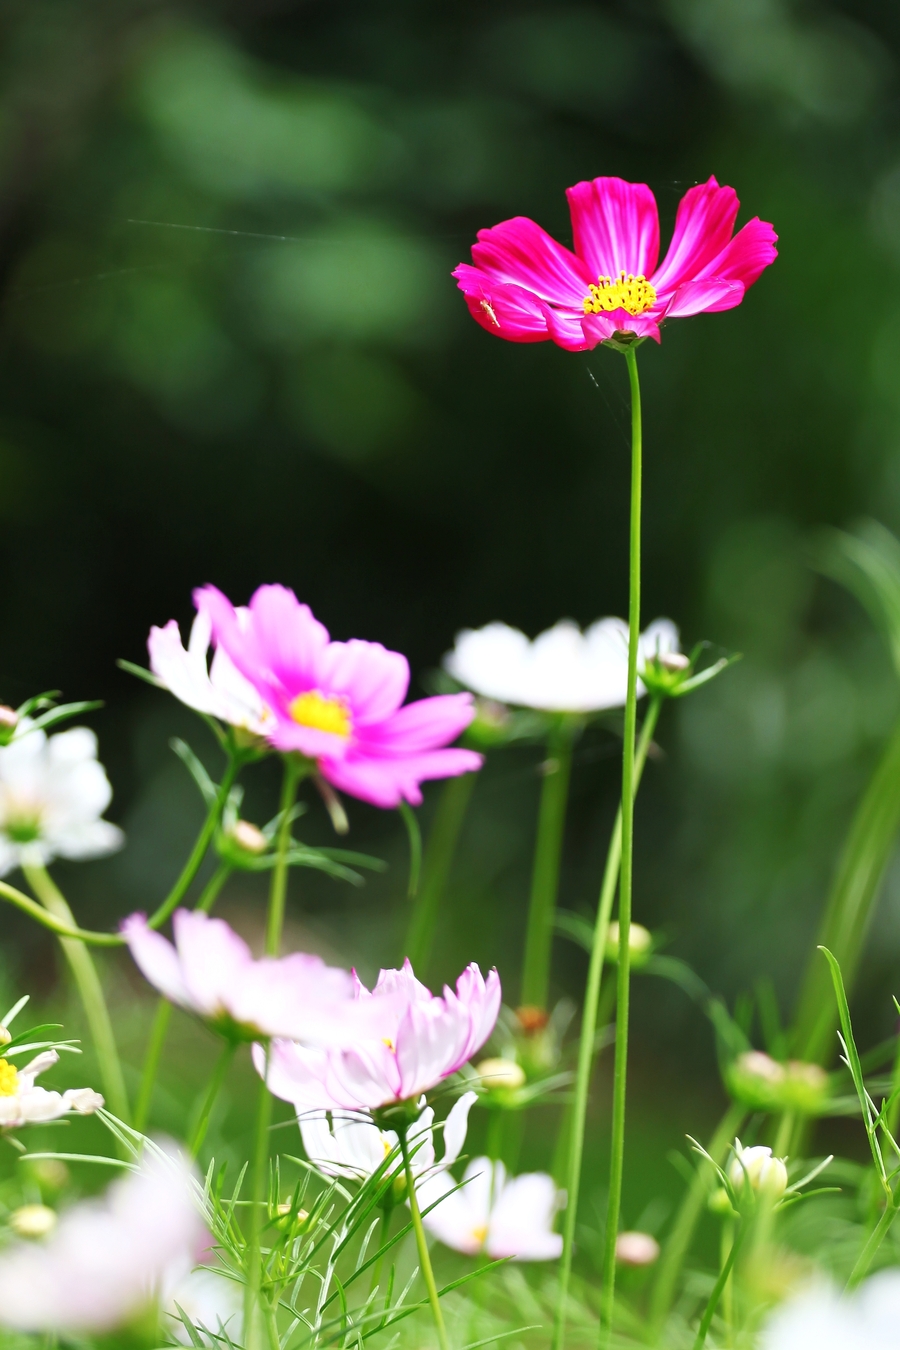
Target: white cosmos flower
{"x":53,"y":791}
{"x":822,"y":1318}
{"x":219,"y":690}
{"x":108,"y":1259}
{"x":495,"y":1214}
{"x":562,"y":670}
{"x":351,"y":1144}
{"x":212,"y":1301}
{"x":22,"y":1103}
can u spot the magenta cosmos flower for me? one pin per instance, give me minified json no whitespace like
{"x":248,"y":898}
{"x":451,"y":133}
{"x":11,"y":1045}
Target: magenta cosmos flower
{"x":526,"y":287}
{"x":420,"y":1040}
{"x":211,"y":972}
{"x":339,"y":703}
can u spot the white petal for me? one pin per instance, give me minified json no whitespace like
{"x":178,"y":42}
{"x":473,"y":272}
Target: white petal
{"x":455,"y":1127}
{"x":521,"y":1219}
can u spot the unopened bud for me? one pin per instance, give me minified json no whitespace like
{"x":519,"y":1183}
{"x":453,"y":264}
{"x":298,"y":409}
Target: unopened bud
{"x":719,"y":1203}
{"x":33,"y":1221}
{"x":9,"y":718}
{"x":763,"y":1084}
{"x":501,"y":1073}
{"x":5,"y":1036}
{"x":674,"y":661}
{"x":640,"y":941}
{"x":50,"y":1173}
{"x":756,"y":1165}
{"x":249,"y":837}
{"x":285,"y":1209}
{"x":636,"y":1249}
{"x":532,"y":1019}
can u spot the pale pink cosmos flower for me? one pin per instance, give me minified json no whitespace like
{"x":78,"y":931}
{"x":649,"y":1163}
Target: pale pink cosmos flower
{"x":109,"y":1259}
{"x":419,"y":1040}
{"x":526,"y":287}
{"x":493,"y":1213}
{"x":339,"y":703}
{"x":211,"y":972}
{"x":218,"y":689}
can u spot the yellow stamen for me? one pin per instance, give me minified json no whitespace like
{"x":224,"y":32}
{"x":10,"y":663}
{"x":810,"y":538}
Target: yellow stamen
{"x":9,"y":1079}
{"x":632,"y":293}
{"x":479,"y":1234}
{"x":386,"y":1040}
{"x":324,"y":714}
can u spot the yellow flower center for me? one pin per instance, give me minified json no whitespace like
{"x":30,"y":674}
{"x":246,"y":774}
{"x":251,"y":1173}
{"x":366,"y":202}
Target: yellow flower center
{"x":9,"y":1079}
{"x":324,"y":714}
{"x":480,"y":1233}
{"x":632,"y":293}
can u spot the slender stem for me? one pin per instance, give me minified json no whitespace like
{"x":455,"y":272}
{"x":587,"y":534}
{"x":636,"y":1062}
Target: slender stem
{"x":198,"y":853}
{"x":383,"y":1235}
{"x":728,"y":1290}
{"x":67,"y":930}
{"x":152,"y":1057}
{"x":682,"y":1229}
{"x":422,"y":1246}
{"x":90,"y":989}
{"x":893,"y":1115}
{"x":617,"y":1144}
{"x":716,"y":1294}
{"x":439,"y":851}
{"x":876,"y":1238}
{"x":278,"y":887}
{"x":545,"y":873}
{"x":415,"y":848}
{"x":254,"y":1321}
{"x":210,"y":891}
{"x":494,"y":1143}
{"x":589,"y":1032}
{"x":214,"y":1087}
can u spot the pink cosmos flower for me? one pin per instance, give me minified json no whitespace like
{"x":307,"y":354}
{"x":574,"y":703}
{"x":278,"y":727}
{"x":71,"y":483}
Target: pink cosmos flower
{"x":211,"y":972}
{"x":418,"y":1040}
{"x":338,"y":703}
{"x":526,"y":287}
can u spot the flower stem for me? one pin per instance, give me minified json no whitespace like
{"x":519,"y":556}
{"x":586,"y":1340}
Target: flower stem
{"x":278,"y":887}
{"x":877,"y":1236}
{"x":422,"y":1245}
{"x":415,"y":848}
{"x":617,"y":1144}
{"x":589,"y":1031}
{"x":439,"y":851}
{"x":152,"y":1057}
{"x":679,"y":1239}
{"x":716,"y":1294}
{"x":254,"y":1319}
{"x":211,"y":890}
{"x":90,"y":989}
{"x":545,"y":873}
{"x":214,"y":1087}
{"x":198,"y":853}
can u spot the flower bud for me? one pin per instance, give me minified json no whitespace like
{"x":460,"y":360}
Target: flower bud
{"x":719,"y":1203}
{"x":532,"y":1019}
{"x":5,"y":1036}
{"x":640,"y":943}
{"x":760,"y":1082}
{"x":674,"y":661}
{"x":50,"y":1174}
{"x":249,"y":837}
{"x":33,"y":1221}
{"x":636,"y":1249}
{"x":500,"y":1073}
{"x":756,"y":1166}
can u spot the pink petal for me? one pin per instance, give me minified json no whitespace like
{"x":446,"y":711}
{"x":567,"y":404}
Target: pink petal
{"x":482,"y":998}
{"x":279,"y":646}
{"x":286,"y":734}
{"x":747,"y":255}
{"x":424,"y":725}
{"x":566,"y":329}
{"x":156,"y":959}
{"x":294,"y":1074}
{"x":519,"y":252}
{"x":372,"y":679}
{"x":213,"y":960}
{"x":364,"y":1077}
{"x":703,"y":226}
{"x":386,"y":782}
{"x":403,"y":984}
{"x":598,"y":327}
{"x":704,"y":296}
{"x":615,"y":227}
{"x":431,"y":1041}
{"x":505,"y":311}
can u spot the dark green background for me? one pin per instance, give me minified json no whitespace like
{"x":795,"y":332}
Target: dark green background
{"x":232,"y":352}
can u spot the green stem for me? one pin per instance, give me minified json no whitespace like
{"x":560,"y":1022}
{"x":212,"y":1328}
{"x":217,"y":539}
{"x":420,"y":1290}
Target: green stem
{"x":867,"y":850}
{"x":214,"y":1087}
{"x":728,"y":1290}
{"x":278,"y":887}
{"x":152,"y":1057}
{"x":211,"y":890}
{"x":893,"y":1115}
{"x":422,"y":1246}
{"x":415,"y":848}
{"x":876,"y":1238}
{"x":254,"y":1319}
{"x":617,"y":1142}
{"x":717,"y":1290}
{"x":198,"y":853}
{"x":545,"y":873}
{"x":494,"y":1142}
{"x":383,"y":1235}
{"x":90,"y":990}
{"x":589,"y":1032}
{"x":682,"y":1230}
{"x":439,"y":851}
{"x":67,"y":930}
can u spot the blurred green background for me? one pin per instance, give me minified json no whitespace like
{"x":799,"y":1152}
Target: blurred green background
{"x":232,"y":352}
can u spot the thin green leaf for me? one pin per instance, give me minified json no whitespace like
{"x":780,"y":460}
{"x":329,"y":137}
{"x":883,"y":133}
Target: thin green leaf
{"x":142,"y":674}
